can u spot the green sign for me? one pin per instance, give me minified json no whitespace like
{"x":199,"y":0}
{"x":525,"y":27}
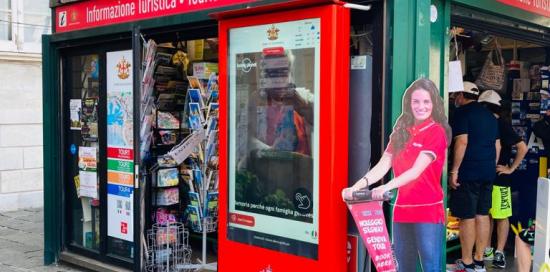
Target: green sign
{"x":120,"y":166}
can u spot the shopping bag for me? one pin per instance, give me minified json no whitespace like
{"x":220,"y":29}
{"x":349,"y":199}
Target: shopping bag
{"x":492,"y":74}
{"x":456,"y":70}
{"x":455,"y":76}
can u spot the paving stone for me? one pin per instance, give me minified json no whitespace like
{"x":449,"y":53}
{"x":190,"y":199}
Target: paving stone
{"x":29,"y":239}
{"x":22,"y":243}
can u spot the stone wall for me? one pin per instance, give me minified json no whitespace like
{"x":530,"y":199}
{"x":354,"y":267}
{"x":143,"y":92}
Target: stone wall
{"x":21,"y":163}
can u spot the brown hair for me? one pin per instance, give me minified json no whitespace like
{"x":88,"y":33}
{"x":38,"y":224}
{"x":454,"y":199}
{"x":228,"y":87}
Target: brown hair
{"x":400,"y":134}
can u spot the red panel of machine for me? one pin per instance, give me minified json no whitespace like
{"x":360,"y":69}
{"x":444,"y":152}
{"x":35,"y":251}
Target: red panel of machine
{"x":332,"y":155}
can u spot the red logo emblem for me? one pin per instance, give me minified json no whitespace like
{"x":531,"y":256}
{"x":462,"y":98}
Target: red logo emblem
{"x":123,"y":67}
{"x":273,"y":33}
{"x":123,"y":227}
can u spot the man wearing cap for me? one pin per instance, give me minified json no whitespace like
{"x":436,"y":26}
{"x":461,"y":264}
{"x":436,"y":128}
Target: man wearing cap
{"x":501,"y":208}
{"x":476,"y":145}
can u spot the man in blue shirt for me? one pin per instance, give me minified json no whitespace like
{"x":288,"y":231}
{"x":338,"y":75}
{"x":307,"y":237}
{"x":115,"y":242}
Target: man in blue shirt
{"x":476,"y":145}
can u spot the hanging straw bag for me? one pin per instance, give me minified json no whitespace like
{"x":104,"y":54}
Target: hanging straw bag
{"x":492,"y":74}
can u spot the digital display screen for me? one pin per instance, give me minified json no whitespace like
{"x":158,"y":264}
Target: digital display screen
{"x":274,"y":136}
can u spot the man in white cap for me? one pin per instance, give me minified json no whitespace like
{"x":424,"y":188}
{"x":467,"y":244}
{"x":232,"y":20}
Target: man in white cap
{"x":476,"y":145}
{"x":501,"y":209}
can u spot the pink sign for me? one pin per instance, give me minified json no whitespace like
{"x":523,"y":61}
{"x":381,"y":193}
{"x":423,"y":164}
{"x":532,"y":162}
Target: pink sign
{"x":370,"y":221}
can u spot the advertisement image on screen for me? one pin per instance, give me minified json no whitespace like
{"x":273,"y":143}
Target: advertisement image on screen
{"x":274,"y":92}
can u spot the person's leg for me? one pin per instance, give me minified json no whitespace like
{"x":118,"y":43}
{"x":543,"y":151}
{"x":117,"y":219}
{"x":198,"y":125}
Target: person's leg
{"x":523,"y":252}
{"x":405,"y":246}
{"x":429,"y":240}
{"x":481,"y":234}
{"x":503,"y":226}
{"x":467,"y":239}
{"x":484,"y":203}
{"x":504,"y":205}
{"x":488,"y":253}
{"x":463,"y":205}
{"x":499,"y":259}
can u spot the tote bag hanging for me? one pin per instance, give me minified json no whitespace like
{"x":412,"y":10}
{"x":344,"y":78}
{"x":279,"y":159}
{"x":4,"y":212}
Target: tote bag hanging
{"x":455,"y":71}
{"x":492,"y":74}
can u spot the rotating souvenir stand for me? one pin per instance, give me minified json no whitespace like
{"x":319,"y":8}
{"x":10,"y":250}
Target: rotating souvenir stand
{"x":202,"y":210}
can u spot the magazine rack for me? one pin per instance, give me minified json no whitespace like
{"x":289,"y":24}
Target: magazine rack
{"x":186,"y":157}
{"x":168,"y":248}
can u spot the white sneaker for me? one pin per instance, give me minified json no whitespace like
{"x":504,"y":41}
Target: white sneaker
{"x":489,"y":254}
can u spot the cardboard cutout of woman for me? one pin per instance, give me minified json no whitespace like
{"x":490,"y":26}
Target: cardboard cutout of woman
{"x":416,"y":153}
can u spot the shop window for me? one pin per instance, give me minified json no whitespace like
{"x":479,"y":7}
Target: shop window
{"x":6,"y":27}
{"x":22,"y":24}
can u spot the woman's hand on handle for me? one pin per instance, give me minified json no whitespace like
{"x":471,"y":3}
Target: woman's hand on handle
{"x":378,"y":192}
{"x":347,"y":193}
{"x":374,"y":175}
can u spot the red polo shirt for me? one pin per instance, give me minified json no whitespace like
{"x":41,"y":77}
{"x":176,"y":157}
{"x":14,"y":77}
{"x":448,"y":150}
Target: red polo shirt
{"x":421,"y":200}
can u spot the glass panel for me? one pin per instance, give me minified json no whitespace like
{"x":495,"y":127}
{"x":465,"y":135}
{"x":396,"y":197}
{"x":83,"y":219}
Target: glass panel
{"x":34,"y":27}
{"x":82,"y":144}
{"x":5,"y":24}
{"x":34,"y":6}
{"x":274,"y":93}
{"x":5,"y":4}
{"x":36,"y":19}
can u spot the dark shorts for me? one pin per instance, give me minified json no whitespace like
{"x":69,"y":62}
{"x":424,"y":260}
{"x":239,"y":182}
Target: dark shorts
{"x":528,"y":236}
{"x":471,"y":198}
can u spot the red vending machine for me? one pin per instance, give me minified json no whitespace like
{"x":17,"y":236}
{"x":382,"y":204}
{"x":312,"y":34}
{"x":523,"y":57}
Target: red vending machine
{"x":284,"y":76}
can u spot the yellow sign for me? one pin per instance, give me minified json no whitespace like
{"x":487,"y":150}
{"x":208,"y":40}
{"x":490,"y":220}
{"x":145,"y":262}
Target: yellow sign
{"x":543,"y":166}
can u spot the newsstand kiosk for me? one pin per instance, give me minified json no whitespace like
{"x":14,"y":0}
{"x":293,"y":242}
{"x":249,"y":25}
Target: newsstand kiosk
{"x":301,"y":155}
{"x":164,"y":126}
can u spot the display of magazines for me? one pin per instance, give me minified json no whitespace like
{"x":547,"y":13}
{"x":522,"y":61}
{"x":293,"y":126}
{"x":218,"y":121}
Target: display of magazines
{"x":167,"y":197}
{"x":179,"y":132}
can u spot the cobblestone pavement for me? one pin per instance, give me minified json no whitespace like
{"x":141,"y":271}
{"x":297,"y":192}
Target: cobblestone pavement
{"x":22,"y":243}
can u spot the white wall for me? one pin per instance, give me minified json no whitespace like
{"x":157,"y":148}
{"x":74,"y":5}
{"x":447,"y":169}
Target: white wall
{"x":21,"y":164}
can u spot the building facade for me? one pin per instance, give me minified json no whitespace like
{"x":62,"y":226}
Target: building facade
{"x":22,"y":23}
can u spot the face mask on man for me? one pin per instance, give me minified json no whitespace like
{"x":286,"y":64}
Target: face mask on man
{"x":456,"y":100}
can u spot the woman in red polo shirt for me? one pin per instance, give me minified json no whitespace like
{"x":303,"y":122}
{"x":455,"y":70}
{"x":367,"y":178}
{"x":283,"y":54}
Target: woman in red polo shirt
{"x":416,"y":153}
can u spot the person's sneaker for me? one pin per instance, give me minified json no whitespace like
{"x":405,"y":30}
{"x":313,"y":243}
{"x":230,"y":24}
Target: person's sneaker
{"x":488,"y":255}
{"x":462,"y":267}
{"x":500,"y":260}
{"x":479,"y":266}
